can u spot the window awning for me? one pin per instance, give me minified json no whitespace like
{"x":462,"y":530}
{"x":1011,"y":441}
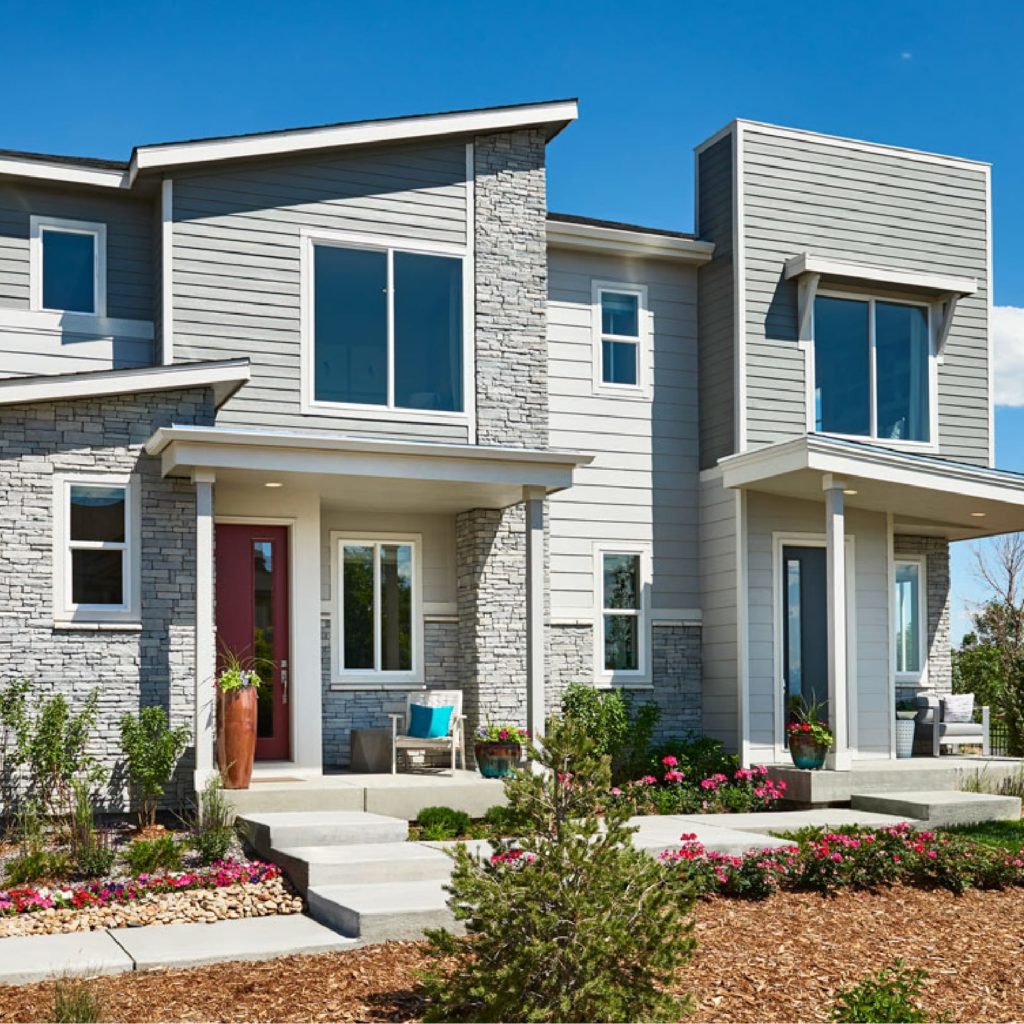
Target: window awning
{"x":926,"y":495}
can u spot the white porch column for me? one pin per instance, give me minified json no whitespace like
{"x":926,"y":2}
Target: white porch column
{"x":206,"y":652}
{"x":533,"y":498}
{"x":835,"y":574}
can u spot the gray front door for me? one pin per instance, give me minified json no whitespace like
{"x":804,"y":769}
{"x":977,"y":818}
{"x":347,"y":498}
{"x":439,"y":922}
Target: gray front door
{"x":804,"y":629}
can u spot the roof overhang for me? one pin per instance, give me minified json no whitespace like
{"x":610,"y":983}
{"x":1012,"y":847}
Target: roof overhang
{"x":57,"y":170}
{"x":224,"y":376}
{"x":924,"y":494}
{"x":888,"y":277}
{"x":367,"y":474}
{"x":553,"y":116}
{"x":628,"y":241}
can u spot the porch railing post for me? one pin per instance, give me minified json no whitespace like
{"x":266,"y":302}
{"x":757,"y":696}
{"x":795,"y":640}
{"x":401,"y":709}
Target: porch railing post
{"x":533,"y":498}
{"x":835,"y":574}
{"x":206,"y":654}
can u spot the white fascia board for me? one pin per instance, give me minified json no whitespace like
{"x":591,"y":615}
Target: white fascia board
{"x":400,"y":129}
{"x":225,"y":377}
{"x":807,"y":263}
{"x":53,"y":170}
{"x":628,"y":242}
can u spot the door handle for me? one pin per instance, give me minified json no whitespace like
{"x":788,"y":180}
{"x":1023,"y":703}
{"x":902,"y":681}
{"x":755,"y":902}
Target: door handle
{"x":284,"y":682}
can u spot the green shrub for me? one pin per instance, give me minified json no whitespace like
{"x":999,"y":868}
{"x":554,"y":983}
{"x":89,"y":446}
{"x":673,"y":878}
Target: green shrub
{"x":75,"y":1001}
{"x":146,"y":856}
{"x":574,"y":925}
{"x":151,"y":748}
{"x":699,"y":757}
{"x":440,"y":823}
{"x":37,"y":865}
{"x":505,"y":821}
{"x":888,"y":995}
{"x":95,"y":860}
{"x":212,"y":823}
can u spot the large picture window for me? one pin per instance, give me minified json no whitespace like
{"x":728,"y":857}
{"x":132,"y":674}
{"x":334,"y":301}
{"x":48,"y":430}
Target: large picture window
{"x":622,"y":633}
{"x":911,"y":618}
{"x":387,"y":328}
{"x":378,"y":608}
{"x":872,"y":369}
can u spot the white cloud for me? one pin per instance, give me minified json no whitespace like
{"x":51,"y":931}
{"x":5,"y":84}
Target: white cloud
{"x":906,"y":55}
{"x":1008,"y":340}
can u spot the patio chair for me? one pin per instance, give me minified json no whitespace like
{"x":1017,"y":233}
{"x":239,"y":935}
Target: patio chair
{"x":934,"y":728}
{"x":455,"y":739}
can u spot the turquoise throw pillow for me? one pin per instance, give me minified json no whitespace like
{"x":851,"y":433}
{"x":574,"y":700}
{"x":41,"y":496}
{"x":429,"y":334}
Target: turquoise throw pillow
{"x":429,"y":723}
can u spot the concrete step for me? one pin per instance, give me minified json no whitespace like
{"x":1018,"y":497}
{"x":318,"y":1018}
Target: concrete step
{"x":284,"y":829}
{"x":362,"y":863}
{"x":936,"y":808}
{"x":383,"y":911}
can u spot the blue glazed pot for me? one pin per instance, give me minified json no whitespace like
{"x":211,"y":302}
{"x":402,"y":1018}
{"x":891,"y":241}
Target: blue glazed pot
{"x":496,"y":760}
{"x":806,"y":753}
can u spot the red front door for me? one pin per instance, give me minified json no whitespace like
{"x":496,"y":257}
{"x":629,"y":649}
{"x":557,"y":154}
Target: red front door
{"x":252,"y":620}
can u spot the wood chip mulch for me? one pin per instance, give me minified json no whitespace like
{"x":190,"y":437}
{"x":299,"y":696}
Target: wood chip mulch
{"x":779,"y":960}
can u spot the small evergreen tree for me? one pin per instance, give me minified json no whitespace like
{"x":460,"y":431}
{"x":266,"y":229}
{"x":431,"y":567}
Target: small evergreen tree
{"x":151,"y":749}
{"x":571,"y":924}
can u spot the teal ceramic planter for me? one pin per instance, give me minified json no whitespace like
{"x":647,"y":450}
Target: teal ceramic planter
{"x":496,"y":760}
{"x":806,"y":753}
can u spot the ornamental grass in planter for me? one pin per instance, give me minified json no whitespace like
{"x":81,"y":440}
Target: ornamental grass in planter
{"x":810,"y":739}
{"x":238,"y":688}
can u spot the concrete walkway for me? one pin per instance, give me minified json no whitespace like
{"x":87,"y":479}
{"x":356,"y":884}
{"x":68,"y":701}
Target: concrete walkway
{"x":29,"y":958}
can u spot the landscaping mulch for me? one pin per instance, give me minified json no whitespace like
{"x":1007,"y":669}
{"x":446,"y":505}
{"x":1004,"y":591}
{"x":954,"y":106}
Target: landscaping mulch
{"x":782,"y":959}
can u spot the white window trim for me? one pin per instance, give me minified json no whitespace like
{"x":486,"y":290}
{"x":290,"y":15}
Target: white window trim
{"x":311,"y":237}
{"x":359,"y":677}
{"x":642,"y":388}
{"x":39,"y":224}
{"x":919,"y":678}
{"x":869,"y":298}
{"x":641,"y":675}
{"x":65,"y":612}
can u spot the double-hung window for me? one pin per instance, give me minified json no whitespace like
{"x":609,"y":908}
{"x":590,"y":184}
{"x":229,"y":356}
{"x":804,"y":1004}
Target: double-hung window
{"x":910,"y":610}
{"x":67,"y":270}
{"x":620,"y":337}
{"x":622,"y":632}
{"x":96,"y":549}
{"x":379,"y":627}
{"x":387,"y":328}
{"x":872,"y":369}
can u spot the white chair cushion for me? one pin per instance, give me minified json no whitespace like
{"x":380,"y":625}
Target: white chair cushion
{"x":959,"y":707}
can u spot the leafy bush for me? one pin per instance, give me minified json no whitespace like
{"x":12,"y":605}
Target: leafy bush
{"x":620,"y":729}
{"x":151,"y":749}
{"x":95,"y":860}
{"x":574,"y":925}
{"x":505,"y":821}
{"x":889,"y":995}
{"x":212,"y":823}
{"x":76,"y":1001}
{"x":699,"y":757}
{"x":439,"y":823}
{"x":146,"y":856}
{"x":36,"y":865}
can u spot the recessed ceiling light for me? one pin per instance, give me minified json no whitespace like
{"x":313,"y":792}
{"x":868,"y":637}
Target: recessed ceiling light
{"x":273,"y":483}
{"x":979,"y":515}
{"x":850,"y":491}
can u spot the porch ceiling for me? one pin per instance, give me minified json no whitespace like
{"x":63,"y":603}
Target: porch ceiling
{"x":925,"y":494}
{"x":367,"y":474}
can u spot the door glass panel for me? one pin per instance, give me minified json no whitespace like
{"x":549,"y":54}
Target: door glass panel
{"x":842,"y":377}
{"x":396,"y":607}
{"x":805,"y":630}
{"x":908,"y":632}
{"x":357,"y":600}
{"x":263,"y":632}
{"x":901,"y":354}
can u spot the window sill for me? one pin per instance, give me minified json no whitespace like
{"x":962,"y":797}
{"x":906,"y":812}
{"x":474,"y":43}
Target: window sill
{"x":604,"y":684}
{"x":76,"y":323}
{"x":384,"y":412}
{"x":355,"y":687}
{"x":63,"y":625}
{"x":629,"y":392}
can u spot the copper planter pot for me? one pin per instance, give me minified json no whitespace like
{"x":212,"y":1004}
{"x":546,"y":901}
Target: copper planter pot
{"x":236,"y":736}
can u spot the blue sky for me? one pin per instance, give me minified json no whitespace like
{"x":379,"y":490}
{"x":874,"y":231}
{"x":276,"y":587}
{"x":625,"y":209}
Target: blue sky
{"x":653,"y":79}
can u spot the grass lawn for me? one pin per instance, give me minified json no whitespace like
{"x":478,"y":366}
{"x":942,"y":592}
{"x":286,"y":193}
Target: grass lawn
{"x":778,"y":960}
{"x":1007,"y":834}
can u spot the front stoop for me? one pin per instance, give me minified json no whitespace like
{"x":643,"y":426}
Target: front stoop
{"x":384,"y":911}
{"x":284,"y":829}
{"x":940,"y":808}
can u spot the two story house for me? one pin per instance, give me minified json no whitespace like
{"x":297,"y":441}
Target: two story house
{"x":351,"y":400}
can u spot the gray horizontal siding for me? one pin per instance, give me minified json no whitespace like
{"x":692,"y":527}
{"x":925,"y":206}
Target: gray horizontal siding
{"x":716,"y":291}
{"x":886,"y":209}
{"x":236,"y":259}
{"x":641,"y":486}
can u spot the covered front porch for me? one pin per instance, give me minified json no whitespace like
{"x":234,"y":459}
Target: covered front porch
{"x":361,"y":571}
{"x":844,"y":583}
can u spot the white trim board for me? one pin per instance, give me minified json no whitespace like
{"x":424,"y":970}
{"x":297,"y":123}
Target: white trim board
{"x":57,"y":170}
{"x":628,"y":241}
{"x":85,"y":324}
{"x":38,"y":225}
{"x":808,"y":263}
{"x":167,"y":271}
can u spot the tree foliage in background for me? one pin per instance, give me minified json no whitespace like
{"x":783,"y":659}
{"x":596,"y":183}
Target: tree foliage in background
{"x":572,"y":923}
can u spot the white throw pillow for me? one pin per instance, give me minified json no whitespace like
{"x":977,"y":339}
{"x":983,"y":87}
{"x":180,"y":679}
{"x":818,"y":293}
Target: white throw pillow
{"x":959,"y":707}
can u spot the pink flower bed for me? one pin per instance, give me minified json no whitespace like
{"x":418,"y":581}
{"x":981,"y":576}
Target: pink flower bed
{"x":678,"y":792}
{"x":29,"y":899}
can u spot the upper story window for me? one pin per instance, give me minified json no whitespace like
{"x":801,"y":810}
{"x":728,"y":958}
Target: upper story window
{"x":872,"y":369}
{"x":387,"y":328}
{"x":68,"y":265}
{"x":620,"y":338}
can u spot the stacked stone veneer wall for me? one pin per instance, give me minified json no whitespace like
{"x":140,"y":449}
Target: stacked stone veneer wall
{"x":352,"y":708}
{"x":152,"y":662}
{"x":936,"y":550}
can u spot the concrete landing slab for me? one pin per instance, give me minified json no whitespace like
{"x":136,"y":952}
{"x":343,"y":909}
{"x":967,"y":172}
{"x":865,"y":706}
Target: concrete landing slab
{"x":282,"y":829}
{"x":656,"y":835}
{"x":938,"y":808}
{"x":255,"y":938}
{"x":767,"y":822}
{"x":361,"y":863}
{"x":28,"y":958}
